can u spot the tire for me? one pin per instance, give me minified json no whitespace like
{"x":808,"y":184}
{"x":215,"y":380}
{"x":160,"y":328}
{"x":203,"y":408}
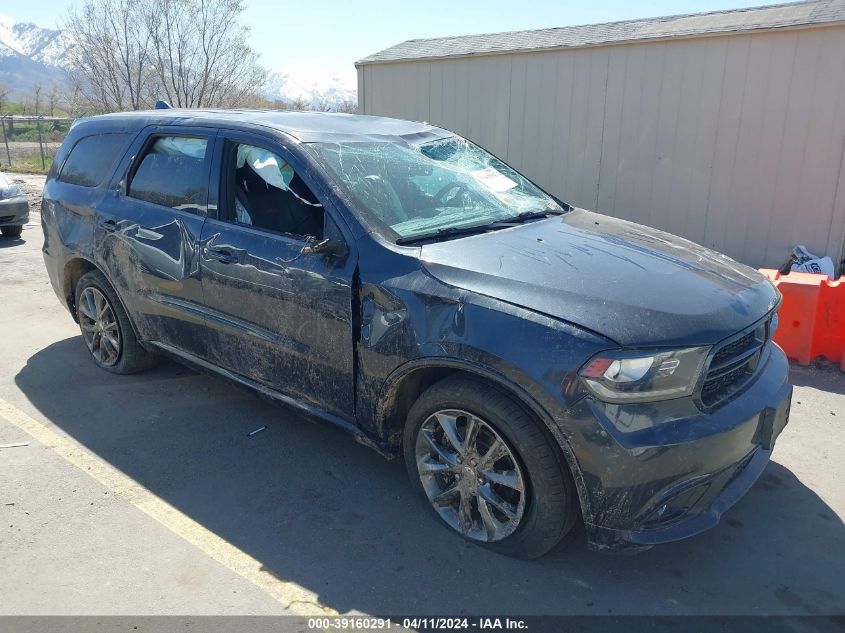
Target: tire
{"x":115,"y":348}
{"x":12,"y":231}
{"x":547,"y":505}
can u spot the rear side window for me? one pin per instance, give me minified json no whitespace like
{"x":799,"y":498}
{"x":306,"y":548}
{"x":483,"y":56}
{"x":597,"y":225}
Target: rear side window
{"x":91,"y":158}
{"x":173,"y":172}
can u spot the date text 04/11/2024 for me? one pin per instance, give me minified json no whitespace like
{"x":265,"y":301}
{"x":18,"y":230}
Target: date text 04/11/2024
{"x":418,"y":623}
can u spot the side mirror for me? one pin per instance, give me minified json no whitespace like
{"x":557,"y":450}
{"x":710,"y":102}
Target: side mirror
{"x":324,"y":247}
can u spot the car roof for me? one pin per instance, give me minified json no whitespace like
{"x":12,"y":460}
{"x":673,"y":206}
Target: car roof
{"x":306,"y":127}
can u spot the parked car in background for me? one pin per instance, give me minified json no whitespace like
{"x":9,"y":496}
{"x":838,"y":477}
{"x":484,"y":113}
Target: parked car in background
{"x":14,"y":207}
{"x":535,"y":364}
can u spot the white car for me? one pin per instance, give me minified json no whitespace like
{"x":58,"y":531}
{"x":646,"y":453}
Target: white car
{"x":14,"y":208}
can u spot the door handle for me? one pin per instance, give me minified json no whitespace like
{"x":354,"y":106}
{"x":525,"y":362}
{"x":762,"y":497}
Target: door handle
{"x":222,"y":255}
{"x":108,"y":225}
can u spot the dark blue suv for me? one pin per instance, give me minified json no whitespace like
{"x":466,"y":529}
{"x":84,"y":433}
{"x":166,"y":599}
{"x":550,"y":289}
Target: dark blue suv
{"x":536,"y":365}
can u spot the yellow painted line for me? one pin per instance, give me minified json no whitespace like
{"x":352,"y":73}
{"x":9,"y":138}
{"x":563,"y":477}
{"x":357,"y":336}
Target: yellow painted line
{"x":295,"y":598}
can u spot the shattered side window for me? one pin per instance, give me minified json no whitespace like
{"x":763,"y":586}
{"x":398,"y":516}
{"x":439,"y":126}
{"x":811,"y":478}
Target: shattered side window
{"x":421,"y":189}
{"x":265,"y":192}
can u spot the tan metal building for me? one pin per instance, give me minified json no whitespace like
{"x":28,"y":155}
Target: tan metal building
{"x":727,"y":128}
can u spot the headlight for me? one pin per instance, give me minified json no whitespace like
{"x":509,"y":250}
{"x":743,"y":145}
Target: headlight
{"x":639,"y":376}
{"x":12,"y":191}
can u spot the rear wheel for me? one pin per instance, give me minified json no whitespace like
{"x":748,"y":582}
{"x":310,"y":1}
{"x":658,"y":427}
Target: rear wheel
{"x":12,"y":231}
{"x":487,"y":469}
{"x":106,"y":329}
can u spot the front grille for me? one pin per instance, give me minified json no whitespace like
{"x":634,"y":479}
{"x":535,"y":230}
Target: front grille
{"x":6,"y":218}
{"x":713,"y":387}
{"x":734,"y":363}
{"x":731,"y":349}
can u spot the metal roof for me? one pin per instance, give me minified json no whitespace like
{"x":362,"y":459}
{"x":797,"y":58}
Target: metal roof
{"x":304,"y":126}
{"x":689,"y":25}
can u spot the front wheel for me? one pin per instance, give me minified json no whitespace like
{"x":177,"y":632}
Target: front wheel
{"x":487,"y":469}
{"x":12,"y":231}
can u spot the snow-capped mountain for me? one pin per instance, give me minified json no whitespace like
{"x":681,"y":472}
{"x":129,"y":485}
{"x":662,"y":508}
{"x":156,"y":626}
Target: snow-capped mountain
{"x":30,"y":54}
{"x":47,"y":46}
{"x":316,"y":88}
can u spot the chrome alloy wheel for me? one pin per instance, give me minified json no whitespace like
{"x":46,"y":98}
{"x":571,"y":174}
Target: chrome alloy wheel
{"x":470,"y":475}
{"x":99,"y":326}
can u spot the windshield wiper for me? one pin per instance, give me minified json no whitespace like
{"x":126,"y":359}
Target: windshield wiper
{"x":476,"y":228}
{"x":531,"y":215}
{"x":451,"y":231}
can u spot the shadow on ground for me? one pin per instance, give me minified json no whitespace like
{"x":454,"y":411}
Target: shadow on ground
{"x":8,"y":242}
{"x":318,"y":509}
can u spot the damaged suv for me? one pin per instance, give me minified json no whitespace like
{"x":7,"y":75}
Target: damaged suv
{"x":536,"y":365}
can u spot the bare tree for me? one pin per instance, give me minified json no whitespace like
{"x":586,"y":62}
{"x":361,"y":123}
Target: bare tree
{"x":200,"y":53}
{"x":297,"y":103}
{"x":191,"y":52}
{"x":348,"y":106}
{"x":259,"y":102}
{"x":111,"y":52}
{"x":319,"y":104}
{"x":53,"y":99}
{"x":37,"y":89}
{"x":75,"y":99}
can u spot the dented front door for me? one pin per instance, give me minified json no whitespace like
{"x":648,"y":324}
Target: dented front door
{"x":276,"y":315}
{"x":278,"y":318}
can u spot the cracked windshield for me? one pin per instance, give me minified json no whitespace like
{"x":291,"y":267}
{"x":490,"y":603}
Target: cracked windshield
{"x":433,"y":189}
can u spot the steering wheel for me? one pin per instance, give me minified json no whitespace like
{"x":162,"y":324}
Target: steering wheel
{"x":440,"y":197}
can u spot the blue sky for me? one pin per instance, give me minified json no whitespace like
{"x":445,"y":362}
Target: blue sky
{"x":331,"y":34}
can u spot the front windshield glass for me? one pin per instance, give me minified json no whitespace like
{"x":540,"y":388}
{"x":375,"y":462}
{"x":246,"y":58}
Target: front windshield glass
{"x":434,"y":187}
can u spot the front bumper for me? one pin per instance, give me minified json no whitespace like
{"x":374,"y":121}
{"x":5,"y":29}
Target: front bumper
{"x":14,"y":211}
{"x":659,"y":472}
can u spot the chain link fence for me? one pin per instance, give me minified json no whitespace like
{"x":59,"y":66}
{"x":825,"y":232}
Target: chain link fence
{"x":29,"y":143}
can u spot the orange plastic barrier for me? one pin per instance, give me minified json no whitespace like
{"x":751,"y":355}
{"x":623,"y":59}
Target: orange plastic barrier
{"x":811,"y":320}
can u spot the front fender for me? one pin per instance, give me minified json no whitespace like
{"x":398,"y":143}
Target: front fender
{"x":516,"y":390}
{"x":414,"y":322}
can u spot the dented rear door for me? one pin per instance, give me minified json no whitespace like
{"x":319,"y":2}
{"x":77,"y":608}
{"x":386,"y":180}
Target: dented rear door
{"x":148,"y":248}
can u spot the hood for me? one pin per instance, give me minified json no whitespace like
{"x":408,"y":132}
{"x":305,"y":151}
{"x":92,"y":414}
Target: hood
{"x":635,"y":285}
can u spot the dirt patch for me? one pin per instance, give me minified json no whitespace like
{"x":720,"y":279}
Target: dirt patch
{"x":32,"y":185}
